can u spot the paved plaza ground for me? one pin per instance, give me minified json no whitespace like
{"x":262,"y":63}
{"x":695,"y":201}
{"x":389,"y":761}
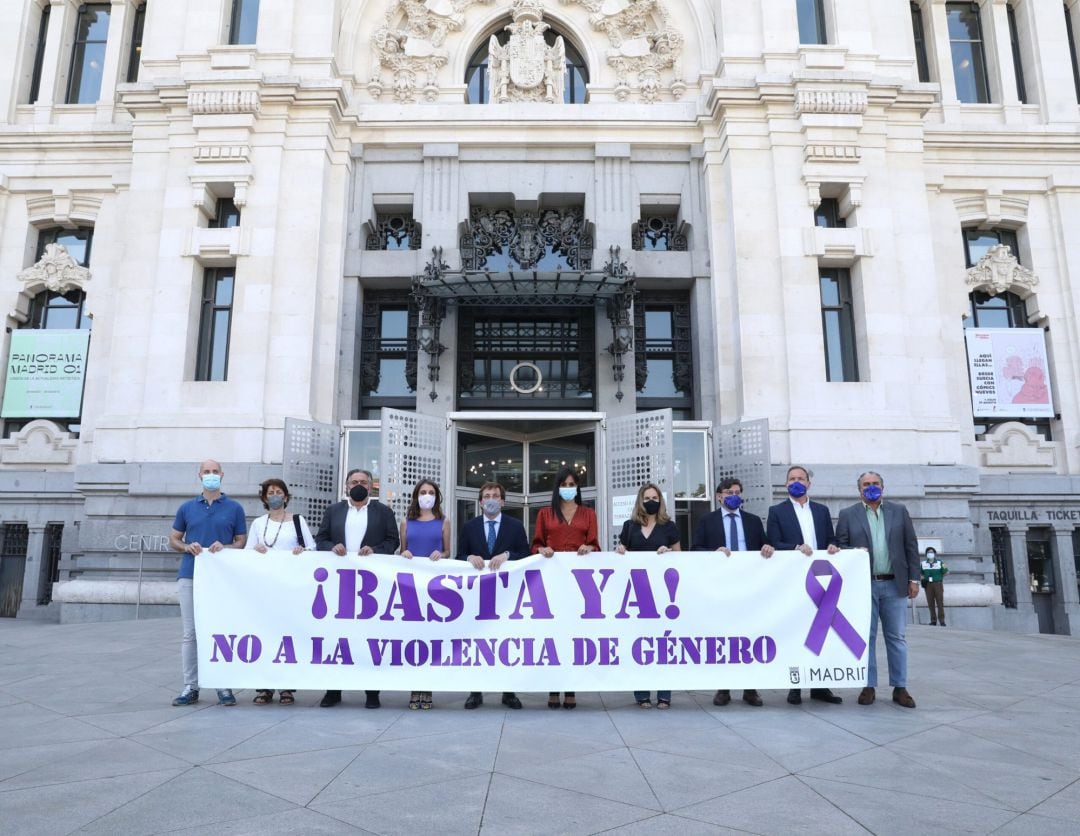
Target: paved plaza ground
{"x":90,"y":744}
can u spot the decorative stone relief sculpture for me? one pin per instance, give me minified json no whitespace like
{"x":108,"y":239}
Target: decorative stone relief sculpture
{"x":644,"y":44}
{"x":56,"y":271}
{"x":1018,"y":447}
{"x":410,"y":49}
{"x":998,"y":271}
{"x":40,"y":442}
{"x":526,"y":69}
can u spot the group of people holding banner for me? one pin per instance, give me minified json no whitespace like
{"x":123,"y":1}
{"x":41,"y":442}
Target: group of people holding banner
{"x":359,"y":525}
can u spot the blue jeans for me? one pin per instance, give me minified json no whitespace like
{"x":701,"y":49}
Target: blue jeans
{"x":887,"y":604}
{"x":660,"y":695}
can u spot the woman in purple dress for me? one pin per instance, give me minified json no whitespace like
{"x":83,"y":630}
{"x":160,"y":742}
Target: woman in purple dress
{"x":425,"y":532}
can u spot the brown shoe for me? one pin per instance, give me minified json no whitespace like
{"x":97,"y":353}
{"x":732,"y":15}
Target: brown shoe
{"x":752,"y":697}
{"x":901,"y":696}
{"x":722,"y":697}
{"x":866,"y":696}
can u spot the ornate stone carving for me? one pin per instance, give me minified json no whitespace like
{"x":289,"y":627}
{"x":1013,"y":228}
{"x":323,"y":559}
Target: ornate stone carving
{"x":409,"y":46}
{"x":1017,"y":446}
{"x":831,"y":101}
{"x":39,"y":443}
{"x":998,"y":271}
{"x":56,"y":271}
{"x":223,"y":101}
{"x":501,"y":239}
{"x":644,"y":44}
{"x":526,"y":69}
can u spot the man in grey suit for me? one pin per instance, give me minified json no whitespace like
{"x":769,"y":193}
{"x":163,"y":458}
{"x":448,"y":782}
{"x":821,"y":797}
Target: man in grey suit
{"x":886,"y":531}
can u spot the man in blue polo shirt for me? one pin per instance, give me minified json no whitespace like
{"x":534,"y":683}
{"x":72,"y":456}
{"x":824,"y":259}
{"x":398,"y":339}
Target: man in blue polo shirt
{"x":208,"y":523}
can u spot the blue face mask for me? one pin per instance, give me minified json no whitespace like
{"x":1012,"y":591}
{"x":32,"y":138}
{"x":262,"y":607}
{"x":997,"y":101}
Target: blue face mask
{"x":275,"y":501}
{"x":797,"y":490}
{"x":211,"y":481}
{"x":871,"y":493}
{"x":733,"y":502}
{"x":568,"y":494}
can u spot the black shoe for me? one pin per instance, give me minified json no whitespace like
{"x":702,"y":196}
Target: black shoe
{"x":825,"y":695}
{"x":933,"y":624}
{"x":474,"y":700}
{"x":794,"y":696}
{"x":372,"y":700}
{"x":752,"y":697}
{"x":722,"y":697}
{"x":510,"y":700}
{"x":330,"y":698}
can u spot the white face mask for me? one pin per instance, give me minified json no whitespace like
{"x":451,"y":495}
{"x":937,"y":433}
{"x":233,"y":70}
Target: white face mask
{"x":426,"y":501}
{"x":491,"y":507}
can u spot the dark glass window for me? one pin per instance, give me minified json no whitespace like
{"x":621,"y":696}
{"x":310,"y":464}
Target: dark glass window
{"x":658,"y":231}
{"x":244,"y":21}
{"x":1001,"y":550}
{"x":838,"y":326}
{"x":51,"y":309}
{"x":828,"y":214}
{"x":577,"y":73}
{"x":1040,"y":555}
{"x":1072,"y":52}
{"x":226,"y":214}
{"x":921,"y":57}
{"x":88,"y":54}
{"x":968,"y":55}
{"x":811,"y":21}
{"x":39,"y":55}
{"x":13,"y":556}
{"x":136,"y":43}
{"x":1018,"y":65}
{"x":395,"y":231}
{"x":977,"y":243}
{"x":212,"y":362}
{"x":663,"y":354}
{"x":387,"y":352}
{"x":54,"y":536}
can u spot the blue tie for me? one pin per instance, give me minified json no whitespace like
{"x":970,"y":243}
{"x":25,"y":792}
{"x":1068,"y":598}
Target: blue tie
{"x":733,"y":538}
{"x":491,"y":537}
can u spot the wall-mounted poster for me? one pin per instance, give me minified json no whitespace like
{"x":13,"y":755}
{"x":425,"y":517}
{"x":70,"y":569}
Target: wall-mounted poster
{"x":45,"y":374}
{"x":1010,"y":377}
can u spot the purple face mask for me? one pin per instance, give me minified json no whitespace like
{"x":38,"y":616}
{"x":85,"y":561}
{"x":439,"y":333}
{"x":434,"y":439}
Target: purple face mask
{"x":797,"y":490}
{"x":732,"y":502}
{"x":871,"y":493}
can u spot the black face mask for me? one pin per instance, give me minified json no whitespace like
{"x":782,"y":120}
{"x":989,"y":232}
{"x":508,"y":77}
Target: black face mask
{"x":358,"y":493}
{"x":651,"y":506}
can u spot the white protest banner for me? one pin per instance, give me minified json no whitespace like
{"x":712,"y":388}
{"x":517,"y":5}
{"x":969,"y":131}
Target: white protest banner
{"x":604,"y":622}
{"x":1008,"y":370}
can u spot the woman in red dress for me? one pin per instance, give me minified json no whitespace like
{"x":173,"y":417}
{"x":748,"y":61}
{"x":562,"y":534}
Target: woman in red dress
{"x":567,"y":526}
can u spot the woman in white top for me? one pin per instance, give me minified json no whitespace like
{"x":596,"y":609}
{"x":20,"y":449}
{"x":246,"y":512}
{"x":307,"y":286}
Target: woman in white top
{"x":277,"y":530}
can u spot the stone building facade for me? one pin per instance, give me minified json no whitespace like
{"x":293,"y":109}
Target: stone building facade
{"x":519,"y":224}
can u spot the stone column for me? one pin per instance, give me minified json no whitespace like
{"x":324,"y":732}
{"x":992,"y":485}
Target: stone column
{"x":35,"y":551}
{"x":1020,"y":577}
{"x":61,"y":19}
{"x":119,"y":15}
{"x":1066,"y":596}
{"x":937,"y":38}
{"x":997,"y":45}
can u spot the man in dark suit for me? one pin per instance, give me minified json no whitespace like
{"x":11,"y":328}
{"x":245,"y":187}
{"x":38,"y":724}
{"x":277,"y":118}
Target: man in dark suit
{"x":492,"y":539}
{"x":729,"y":529}
{"x":798,"y":524}
{"x":357,"y":525}
{"x":885,"y":530}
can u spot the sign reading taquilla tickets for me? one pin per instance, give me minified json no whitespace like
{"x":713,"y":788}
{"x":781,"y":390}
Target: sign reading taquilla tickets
{"x":45,"y":374}
{"x":605,"y":622}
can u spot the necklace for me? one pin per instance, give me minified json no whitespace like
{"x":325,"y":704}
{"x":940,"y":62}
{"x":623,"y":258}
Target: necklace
{"x":270,"y":543}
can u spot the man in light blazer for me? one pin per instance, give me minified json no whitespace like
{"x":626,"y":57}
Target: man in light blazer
{"x":490,"y":540}
{"x":357,"y":525}
{"x":729,"y":529}
{"x":885,"y":530}
{"x":797,"y":524}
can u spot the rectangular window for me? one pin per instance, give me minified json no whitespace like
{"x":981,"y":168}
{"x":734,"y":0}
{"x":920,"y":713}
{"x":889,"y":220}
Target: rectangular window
{"x":13,"y":553}
{"x":828,"y":214}
{"x":226,"y":214}
{"x":388,"y":352}
{"x":136,"y":44}
{"x":88,"y":54}
{"x":215,"y":324}
{"x":1072,"y":52}
{"x":394,"y":231}
{"x":244,"y":21}
{"x":968,"y":56}
{"x":921,"y":59}
{"x":1018,"y":65}
{"x":39,"y":55}
{"x":838,"y":326}
{"x":977,"y":243}
{"x":663,"y":354}
{"x":811,"y":21}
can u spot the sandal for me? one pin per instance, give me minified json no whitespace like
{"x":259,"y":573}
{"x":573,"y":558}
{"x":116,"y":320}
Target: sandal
{"x":570,"y":701}
{"x":264,"y":696}
{"x":414,"y":701}
{"x":645,"y":703}
{"x":553,"y":700}
{"x":287,"y":698}
{"x":663,"y":705}
{"x":425,"y":700}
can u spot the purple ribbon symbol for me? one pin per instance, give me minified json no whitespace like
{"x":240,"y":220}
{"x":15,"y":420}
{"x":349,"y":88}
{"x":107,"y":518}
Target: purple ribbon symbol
{"x":828,"y":615}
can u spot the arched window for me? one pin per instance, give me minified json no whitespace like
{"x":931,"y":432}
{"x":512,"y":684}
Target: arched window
{"x":577,"y":73}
